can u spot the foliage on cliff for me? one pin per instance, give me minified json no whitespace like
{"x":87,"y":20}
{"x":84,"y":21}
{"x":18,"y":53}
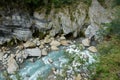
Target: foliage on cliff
{"x":38,"y":3}
{"x":109,"y":49}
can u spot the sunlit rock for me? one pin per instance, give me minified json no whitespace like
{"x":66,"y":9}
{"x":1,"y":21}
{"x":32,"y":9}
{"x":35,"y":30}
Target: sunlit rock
{"x":54,"y":48}
{"x":44,"y":52}
{"x":12,"y":65}
{"x":29,"y":44}
{"x":92,"y":49}
{"x":86,"y":42}
{"x":55,"y":43}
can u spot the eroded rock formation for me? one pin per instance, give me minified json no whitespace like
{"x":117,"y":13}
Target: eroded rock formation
{"x":67,"y":19}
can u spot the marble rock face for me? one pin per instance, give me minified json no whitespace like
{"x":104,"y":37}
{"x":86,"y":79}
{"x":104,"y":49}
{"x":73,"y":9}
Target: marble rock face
{"x":15,"y":25}
{"x":65,"y":20}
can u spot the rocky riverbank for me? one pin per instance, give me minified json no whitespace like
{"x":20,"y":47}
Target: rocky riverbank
{"x":12,"y":58}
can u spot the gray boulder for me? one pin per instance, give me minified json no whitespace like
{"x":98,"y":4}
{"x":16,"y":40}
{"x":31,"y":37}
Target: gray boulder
{"x":22,"y":34}
{"x":33,"y":52}
{"x":98,"y":14}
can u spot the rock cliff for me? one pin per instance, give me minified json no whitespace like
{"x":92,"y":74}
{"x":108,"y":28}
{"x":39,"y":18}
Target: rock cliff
{"x":67,"y":19}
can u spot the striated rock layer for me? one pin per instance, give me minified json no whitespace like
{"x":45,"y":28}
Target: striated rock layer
{"x":68,"y":19}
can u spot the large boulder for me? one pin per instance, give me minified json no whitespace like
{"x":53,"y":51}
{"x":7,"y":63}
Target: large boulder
{"x":12,"y":65}
{"x":33,"y":52}
{"x":97,"y":14}
{"x":44,"y":52}
{"x":64,"y":42}
{"x":1,"y":55}
{"x":55,"y":43}
{"x":92,"y":49}
{"x":29,"y":44}
{"x":54,"y":48}
{"x":86,"y":42}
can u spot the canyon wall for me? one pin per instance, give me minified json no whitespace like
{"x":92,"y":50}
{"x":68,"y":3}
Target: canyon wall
{"x":73,"y":19}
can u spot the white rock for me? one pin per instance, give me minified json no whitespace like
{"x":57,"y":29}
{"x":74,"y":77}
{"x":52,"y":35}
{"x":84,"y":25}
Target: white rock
{"x":33,"y":52}
{"x":47,"y":39}
{"x":62,"y":38}
{"x":91,"y":31}
{"x":29,"y":44}
{"x":32,"y":60}
{"x":5,"y":56}
{"x":86,"y":42}
{"x":1,"y":55}
{"x":24,"y":34}
{"x":42,"y":42}
{"x":36,"y":41}
{"x":64,"y":42}
{"x":54,"y":48}
{"x":41,"y":46}
{"x":20,"y":60}
{"x":12,"y":65}
{"x":55,"y":43}
{"x":92,"y":49}
{"x":44,"y":52}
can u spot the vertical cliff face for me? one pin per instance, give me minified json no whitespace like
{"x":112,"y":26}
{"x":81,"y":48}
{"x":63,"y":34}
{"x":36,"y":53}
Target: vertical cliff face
{"x":98,"y":15}
{"x":67,"y":19}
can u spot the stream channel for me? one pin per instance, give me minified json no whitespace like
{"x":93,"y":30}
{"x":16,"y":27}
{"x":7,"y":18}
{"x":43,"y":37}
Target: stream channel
{"x":55,"y":59}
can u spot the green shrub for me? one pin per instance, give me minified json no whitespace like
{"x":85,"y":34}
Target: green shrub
{"x":109,"y":49}
{"x":111,"y":29}
{"x":109,"y":65}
